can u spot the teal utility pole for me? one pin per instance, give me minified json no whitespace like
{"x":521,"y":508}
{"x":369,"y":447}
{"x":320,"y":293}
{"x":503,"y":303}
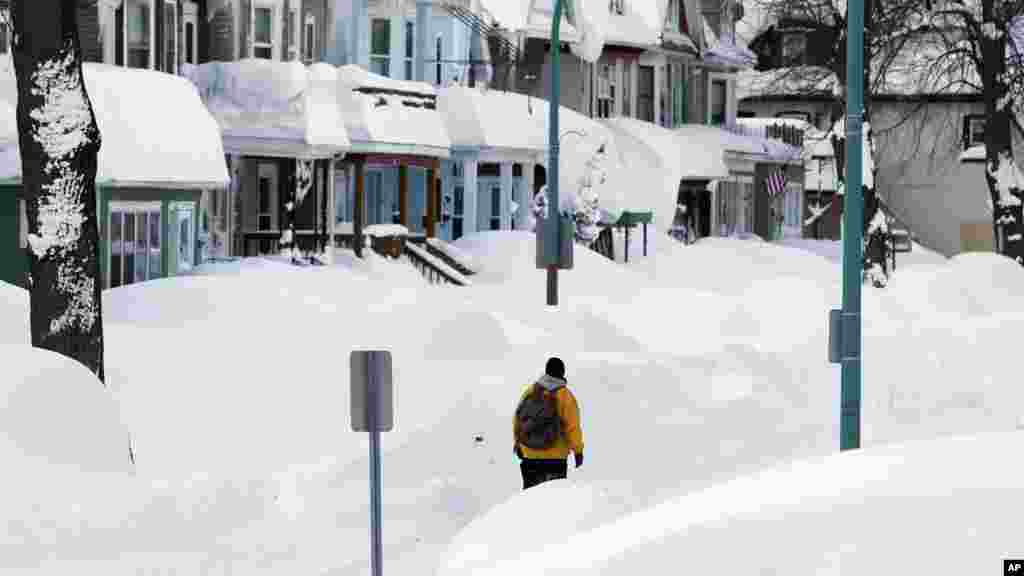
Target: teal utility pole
{"x":554,"y":219}
{"x":853,"y":223}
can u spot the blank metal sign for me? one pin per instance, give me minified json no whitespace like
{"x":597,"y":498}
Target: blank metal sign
{"x":375,"y":366}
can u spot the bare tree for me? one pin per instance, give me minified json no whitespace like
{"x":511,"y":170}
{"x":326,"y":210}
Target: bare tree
{"x":59,"y":142}
{"x":822,"y":66}
{"x":980,"y":50}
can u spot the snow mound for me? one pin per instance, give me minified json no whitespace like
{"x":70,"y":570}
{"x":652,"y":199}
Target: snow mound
{"x":869,"y":499}
{"x":54,"y":411}
{"x":487,"y":540}
{"x":971,"y":285}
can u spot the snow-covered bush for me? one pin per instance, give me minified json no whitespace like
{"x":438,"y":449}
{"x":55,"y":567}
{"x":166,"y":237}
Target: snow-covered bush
{"x":579,"y":201}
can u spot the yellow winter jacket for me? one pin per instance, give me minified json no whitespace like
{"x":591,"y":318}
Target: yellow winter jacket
{"x":571,"y":438}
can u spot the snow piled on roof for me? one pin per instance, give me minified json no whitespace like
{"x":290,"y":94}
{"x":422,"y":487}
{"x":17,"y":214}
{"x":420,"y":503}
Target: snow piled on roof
{"x":492,"y":119}
{"x":265,"y":99}
{"x":398,"y":118}
{"x":509,"y":14}
{"x":636,"y":26}
{"x":785,"y":81}
{"x":722,"y":51}
{"x":154,"y":128}
{"x":594,"y":23}
{"x":693,"y":159}
{"x":736,"y":141}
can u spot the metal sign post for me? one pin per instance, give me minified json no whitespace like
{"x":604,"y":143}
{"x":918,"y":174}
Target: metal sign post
{"x":373,"y":412}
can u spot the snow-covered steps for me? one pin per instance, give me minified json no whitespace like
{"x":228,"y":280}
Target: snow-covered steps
{"x":452,"y":256}
{"x":434,"y":269}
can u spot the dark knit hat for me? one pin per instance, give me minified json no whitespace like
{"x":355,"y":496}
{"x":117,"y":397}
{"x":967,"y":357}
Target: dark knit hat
{"x":555,"y":367}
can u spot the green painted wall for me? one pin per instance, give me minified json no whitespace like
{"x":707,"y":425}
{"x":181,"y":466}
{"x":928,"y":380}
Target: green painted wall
{"x":13,"y":259}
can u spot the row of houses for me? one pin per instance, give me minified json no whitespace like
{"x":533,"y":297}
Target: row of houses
{"x":426,"y":114}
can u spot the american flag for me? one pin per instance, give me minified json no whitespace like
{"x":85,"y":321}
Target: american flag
{"x":776,"y":183}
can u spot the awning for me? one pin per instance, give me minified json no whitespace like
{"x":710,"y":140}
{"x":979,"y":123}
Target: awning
{"x":385,"y":116}
{"x":271,"y":108}
{"x":155,"y":130}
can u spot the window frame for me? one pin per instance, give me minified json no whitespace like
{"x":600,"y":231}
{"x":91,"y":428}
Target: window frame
{"x":380,"y":61}
{"x":134,"y":208}
{"x":255,"y":45}
{"x":800,"y":56}
{"x":715,"y":78}
{"x":309,"y":38}
{"x":5,"y":30}
{"x":292,"y":30}
{"x":409,"y":57}
{"x":151,"y":60}
{"x":969,"y":122}
{"x":270,"y":172}
{"x":170,"y":50}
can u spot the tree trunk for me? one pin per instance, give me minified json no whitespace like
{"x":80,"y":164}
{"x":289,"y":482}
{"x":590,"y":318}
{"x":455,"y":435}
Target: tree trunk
{"x":59,"y":142}
{"x":1002,"y":175}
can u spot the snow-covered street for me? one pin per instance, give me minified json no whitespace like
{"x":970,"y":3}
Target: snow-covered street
{"x":708,"y":406}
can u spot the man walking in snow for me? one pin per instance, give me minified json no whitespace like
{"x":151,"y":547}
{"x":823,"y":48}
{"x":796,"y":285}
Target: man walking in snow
{"x":546,"y":427}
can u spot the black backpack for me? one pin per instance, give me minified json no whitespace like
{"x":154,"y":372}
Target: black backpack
{"x":538,"y":419}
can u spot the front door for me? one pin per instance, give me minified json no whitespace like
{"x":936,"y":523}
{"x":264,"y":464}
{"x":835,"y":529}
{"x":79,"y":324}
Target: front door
{"x":645,"y":94}
{"x":183,"y":218}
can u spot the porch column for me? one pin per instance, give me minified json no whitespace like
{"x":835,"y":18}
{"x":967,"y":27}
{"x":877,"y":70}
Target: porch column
{"x":505,"y":176}
{"x":332,"y":210}
{"x":229,"y":208}
{"x":397,"y":57}
{"x":358,"y":213}
{"x":525,"y":197}
{"x":432,"y":207}
{"x":469,"y":210}
{"x":360,"y":37}
{"x":423,"y":35}
{"x":403,"y":195}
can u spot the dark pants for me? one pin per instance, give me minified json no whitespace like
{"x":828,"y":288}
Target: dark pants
{"x":538,"y":471}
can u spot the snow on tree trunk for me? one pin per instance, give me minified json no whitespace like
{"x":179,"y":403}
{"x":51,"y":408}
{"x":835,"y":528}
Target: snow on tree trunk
{"x":303,"y":182}
{"x":59,"y":142}
{"x":1003,"y":177}
{"x":875,"y":228}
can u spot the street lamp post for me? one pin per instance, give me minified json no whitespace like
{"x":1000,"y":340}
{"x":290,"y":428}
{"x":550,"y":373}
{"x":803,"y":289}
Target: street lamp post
{"x":850,"y":395}
{"x":553,"y":222}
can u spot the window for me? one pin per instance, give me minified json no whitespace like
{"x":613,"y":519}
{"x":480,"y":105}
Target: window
{"x":678,"y":94}
{"x":672,"y":18}
{"x":291,"y":32}
{"x":374,"y":197}
{"x":615,"y":6}
{"x":717,"y":103}
{"x":266,"y":201}
{"x":794,"y":47}
{"x":974,"y":130}
{"x":495,"y":207}
{"x":791,"y":207}
{"x":438,"y":56}
{"x":605,"y":91}
{"x":309,"y":39}
{"x":170,"y":37}
{"x":645,"y":94}
{"x":5,"y":20}
{"x":138,"y":32}
{"x":263,"y":33}
{"x":190,"y":39}
{"x":380,"y":47}
{"x":410,"y":48}
{"x":134,"y":232}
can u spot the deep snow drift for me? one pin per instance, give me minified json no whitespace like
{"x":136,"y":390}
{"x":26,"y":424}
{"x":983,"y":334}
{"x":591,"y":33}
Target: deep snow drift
{"x":693,"y":367}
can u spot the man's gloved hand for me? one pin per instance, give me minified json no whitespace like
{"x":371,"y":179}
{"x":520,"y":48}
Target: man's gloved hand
{"x":579,"y":459}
